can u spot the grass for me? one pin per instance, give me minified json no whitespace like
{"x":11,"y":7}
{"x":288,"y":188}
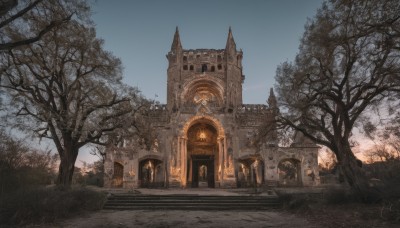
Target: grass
{"x":337,"y":207}
{"x":45,"y":205}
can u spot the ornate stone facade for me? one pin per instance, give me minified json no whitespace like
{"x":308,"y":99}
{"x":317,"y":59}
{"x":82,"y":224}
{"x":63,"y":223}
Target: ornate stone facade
{"x":206,"y":136}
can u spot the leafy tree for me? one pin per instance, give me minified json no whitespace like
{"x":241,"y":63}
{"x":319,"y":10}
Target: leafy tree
{"x":348,"y":62}
{"x":66,"y":88}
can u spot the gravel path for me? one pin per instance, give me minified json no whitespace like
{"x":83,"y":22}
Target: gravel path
{"x":191,"y":219}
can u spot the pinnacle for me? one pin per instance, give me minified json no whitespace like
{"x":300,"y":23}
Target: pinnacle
{"x":176,"y":43}
{"x":230,"y":43}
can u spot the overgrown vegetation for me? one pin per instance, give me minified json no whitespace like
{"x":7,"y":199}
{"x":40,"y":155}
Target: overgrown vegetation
{"x":45,"y":205}
{"x":89,"y":174}
{"x":25,"y":177}
{"x":22,"y":167}
{"x":338,"y":207}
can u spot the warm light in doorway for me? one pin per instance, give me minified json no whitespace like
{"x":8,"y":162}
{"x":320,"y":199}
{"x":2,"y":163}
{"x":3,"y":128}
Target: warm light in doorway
{"x":202,"y":136}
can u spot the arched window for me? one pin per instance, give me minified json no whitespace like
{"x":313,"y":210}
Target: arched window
{"x":219,"y":58}
{"x":185,"y":67}
{"x":204,"y":68}
{"x":184,"y":58}
{"x":191,"y":67}
{"x":212,"y":68}
{"x":219,"y":67}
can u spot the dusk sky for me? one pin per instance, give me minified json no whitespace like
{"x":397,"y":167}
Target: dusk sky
{"x":140,"y":33}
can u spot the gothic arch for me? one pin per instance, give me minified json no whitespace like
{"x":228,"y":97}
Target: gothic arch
{"x":151,"y":172}
{"x":289,"y":171}
{"x":206,"y":119}
{"x":118,"y":175}
{"x":203,"y":84}
{"x":250,"y":171}
{"x":214,"y":161}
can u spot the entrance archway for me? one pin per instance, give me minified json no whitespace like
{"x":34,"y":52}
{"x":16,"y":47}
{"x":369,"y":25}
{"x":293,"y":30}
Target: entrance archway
{"x":289,"y":172}
{"x":251,"y":172}
{"x":117,"y":179}
{"x":201,"y":142}
{"x":151,"y":173}
{"x":202,"y":155}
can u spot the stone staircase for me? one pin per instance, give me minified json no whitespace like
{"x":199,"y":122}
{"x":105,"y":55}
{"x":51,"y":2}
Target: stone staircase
{"x":190,"y":202}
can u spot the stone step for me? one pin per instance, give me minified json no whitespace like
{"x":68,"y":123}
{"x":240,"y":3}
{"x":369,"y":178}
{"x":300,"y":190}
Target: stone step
{"x":193,"y":207}
{"x":190,"y":202}
{"x":186,"y":197}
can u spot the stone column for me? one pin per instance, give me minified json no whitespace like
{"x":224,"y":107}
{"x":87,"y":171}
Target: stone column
{"x":178,"y":153}
{"x":225,"y":153}
{"x":220,"y":160}
{"x":184,"y":161}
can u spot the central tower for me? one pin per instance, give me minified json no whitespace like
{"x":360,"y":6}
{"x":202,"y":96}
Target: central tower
{"x":204,"y":76}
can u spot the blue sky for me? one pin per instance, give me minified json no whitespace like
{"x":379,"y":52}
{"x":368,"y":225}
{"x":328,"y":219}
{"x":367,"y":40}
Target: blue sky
{"x":140,"y":33}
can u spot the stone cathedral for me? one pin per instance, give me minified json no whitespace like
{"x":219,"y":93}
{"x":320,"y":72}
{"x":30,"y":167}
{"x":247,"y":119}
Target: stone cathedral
{"x":205,"y":136}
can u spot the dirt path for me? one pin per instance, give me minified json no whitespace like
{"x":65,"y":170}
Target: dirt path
{"x":191,"y":219}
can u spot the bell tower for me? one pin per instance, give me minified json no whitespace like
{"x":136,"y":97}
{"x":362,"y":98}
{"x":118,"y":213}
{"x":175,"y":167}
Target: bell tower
{"x":213,"y":76}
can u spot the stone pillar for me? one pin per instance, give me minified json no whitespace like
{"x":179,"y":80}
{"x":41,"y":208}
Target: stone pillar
{"x":220,"y":161}
{"x":190,"y":170}
{"x":178,"y":155}
{"x":182,"y":159}
{"x":184,"y":162}
{"x":226,"y":159}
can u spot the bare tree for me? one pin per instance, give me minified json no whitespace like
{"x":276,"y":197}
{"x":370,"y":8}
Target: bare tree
{"x":328,"y":160}
{"x":348,"y":61}
{"x":21,"y":16}
{"x":66,"y":88}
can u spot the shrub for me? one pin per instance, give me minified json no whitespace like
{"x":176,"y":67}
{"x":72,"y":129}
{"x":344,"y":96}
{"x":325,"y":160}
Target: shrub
{"x":297,"y":201}
{"x":338,"y":196}
{"x":43,"y":205}
{"x":391,"y":210}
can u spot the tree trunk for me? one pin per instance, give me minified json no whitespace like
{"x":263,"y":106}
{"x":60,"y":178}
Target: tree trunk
{"x":67,"y":166}
{"x":355,"y":176}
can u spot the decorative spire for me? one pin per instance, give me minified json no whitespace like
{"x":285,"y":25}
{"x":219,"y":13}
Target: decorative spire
{"x":272,"y":99}
{"x":176,"y":43}
{"x":230,"y":43}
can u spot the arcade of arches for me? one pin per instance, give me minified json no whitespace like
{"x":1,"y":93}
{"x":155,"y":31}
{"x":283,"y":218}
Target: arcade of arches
{"x":204,"y":136}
